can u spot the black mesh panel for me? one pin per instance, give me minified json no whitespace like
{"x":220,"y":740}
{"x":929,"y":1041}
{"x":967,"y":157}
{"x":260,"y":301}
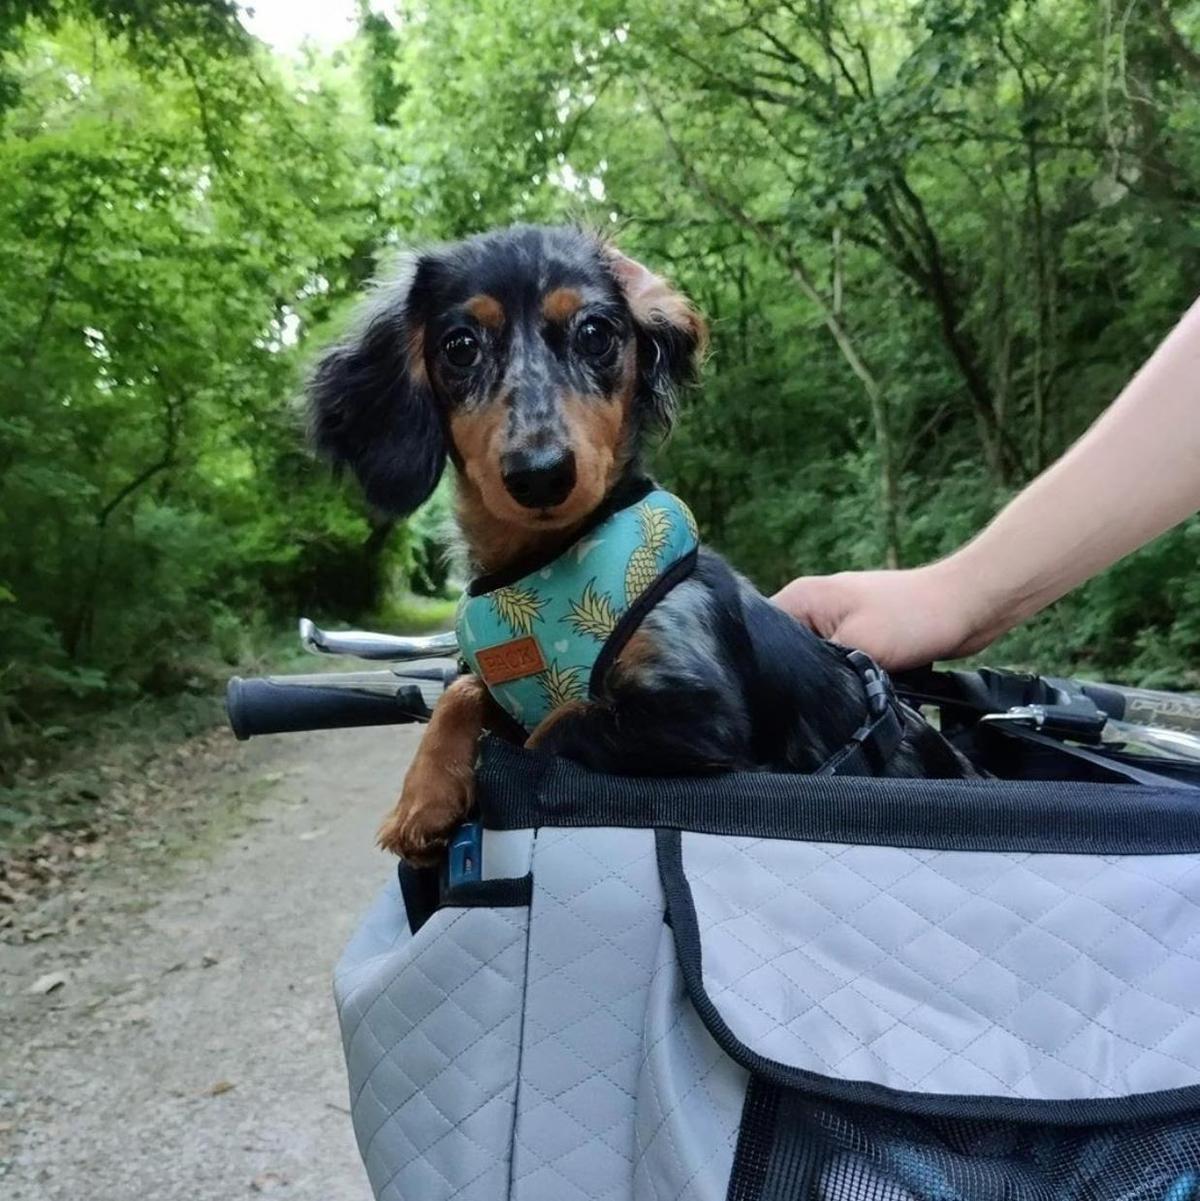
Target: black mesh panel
{"x":796,"y":1148}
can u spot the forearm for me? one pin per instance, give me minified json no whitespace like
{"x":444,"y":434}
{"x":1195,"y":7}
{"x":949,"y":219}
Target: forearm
{"x":1134,"y":474}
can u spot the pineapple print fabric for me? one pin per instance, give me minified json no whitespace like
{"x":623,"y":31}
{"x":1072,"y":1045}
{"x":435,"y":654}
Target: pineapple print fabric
{"x":570,"y":608}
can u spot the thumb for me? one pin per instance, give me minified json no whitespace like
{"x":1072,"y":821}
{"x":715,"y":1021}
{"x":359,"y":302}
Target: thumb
{"x":813,"y":600}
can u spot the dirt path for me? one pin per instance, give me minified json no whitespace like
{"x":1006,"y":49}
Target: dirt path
{"x":193,"y":1052}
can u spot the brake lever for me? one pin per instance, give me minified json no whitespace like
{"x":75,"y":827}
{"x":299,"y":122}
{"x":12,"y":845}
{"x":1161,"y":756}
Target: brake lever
{"x":366,"y":644}
{"x":1076,"y":719}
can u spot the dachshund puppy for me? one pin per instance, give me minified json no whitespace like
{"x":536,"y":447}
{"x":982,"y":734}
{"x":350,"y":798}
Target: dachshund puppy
{"x":541,"y":361}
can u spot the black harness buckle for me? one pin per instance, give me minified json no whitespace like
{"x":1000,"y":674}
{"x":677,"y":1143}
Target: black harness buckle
{"x":875,"y":682}
{"x":875,"y":741}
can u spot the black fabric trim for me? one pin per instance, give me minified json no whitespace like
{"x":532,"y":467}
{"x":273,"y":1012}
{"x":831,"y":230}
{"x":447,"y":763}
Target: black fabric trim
{"x":424,"y":892}
{"x":633,"y":617}
{"x":1074,"y":1112}
{"x":1140,"y":772}
{"x":756,"y":1142}
{"x":626,"y":493}
{"x":419,"y":890}
{"x":520,"y":789}
{"x":510,"y":892}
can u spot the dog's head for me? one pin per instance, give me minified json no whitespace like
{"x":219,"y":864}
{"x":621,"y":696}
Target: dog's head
{"x":536,"y":357}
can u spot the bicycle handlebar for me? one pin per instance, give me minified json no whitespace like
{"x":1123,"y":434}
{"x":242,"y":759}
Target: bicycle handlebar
{"x":988,"y":690}
{"x":331,"y":701}
{"x":1147,"y":707}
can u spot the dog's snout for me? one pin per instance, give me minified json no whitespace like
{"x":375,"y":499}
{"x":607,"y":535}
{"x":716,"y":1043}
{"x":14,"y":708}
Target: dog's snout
{"x":539,"y":479}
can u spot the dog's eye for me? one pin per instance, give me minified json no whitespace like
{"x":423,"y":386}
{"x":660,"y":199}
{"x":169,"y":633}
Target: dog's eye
{"x":594,"y":337}
{"x":461,"y":348}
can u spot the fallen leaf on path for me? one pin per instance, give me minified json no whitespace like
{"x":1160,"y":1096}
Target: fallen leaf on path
{"x":265,"y":1182}
{"x":42,"y":932}
{"x":221,"y":1086}
{"x":46,"y":984}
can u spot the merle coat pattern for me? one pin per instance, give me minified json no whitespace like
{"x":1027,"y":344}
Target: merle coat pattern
{"x":540,"y":362}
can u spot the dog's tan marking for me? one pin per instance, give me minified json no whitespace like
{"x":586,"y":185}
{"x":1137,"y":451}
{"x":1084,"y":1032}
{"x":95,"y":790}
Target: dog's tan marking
{"x":440,"y":784}
{"x":495,"y":541}
{"x":636,"y":661}
{"x":414,"y":347}
{"x":638,"y":651}
{"x":487,"y":310}
{"x":478,"y":434}
{"x":562,"y":304}
{"x":561,"y":714}
{"x":628,"y":378}
{"x":497,"y":530}
{"x":653,"y":301}
{"x":597,"y":427}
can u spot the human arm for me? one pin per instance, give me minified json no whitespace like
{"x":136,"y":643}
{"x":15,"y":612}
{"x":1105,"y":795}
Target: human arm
{"x":1131,"y":476}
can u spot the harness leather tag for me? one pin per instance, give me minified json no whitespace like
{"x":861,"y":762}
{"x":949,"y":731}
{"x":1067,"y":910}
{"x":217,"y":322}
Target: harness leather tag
{"x":510,"y":660}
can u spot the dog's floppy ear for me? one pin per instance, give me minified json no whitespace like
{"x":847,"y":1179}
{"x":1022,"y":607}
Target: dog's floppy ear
{"x":671,"y":335}
{"x":370,"y":403}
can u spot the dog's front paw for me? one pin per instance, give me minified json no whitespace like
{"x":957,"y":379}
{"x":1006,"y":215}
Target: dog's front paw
{"x":433,"y":802}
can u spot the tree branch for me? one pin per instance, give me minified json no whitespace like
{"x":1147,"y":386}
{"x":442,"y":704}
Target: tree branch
{"x":802,"y":277}
{"x":1181,"y":52}
{"x":66,"y":243}
{"x":143,"y":477}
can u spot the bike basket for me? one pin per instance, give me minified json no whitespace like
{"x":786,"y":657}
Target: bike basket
{"x":764,"y":987}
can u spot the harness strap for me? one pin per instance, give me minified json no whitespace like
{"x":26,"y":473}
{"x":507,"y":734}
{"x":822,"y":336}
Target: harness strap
{"x":870,"y":747}
{"x":630,"y":621}
{"x":546,"y":629}
{"x":875,"y":741}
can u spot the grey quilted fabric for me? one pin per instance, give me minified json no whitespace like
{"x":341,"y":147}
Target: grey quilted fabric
{"x":1040,"y":976}
{"x":597,"y":916}
{"x":431,"y":1030}
{"x":689,"y":1098}
{"x":621,"y":1091}
{"x":551,"y":1053}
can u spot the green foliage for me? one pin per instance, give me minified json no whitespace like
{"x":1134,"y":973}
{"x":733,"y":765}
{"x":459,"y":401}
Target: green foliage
{"x":171,"y":228}
{"x":934,"y":239}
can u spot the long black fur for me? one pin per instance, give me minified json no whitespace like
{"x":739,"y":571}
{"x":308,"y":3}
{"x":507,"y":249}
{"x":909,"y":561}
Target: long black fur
{"x":371,"y":409}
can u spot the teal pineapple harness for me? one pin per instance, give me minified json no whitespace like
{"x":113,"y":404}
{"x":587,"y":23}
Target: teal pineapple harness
{"x":547,"y":636}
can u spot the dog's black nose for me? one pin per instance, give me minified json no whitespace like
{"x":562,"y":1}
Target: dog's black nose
{"x":539,"y":479}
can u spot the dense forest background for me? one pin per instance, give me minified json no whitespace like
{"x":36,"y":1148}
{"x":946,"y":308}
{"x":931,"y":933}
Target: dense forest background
{"x":934,"y":238}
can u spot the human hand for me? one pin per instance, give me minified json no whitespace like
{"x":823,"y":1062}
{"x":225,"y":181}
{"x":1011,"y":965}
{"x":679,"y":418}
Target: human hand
{"x":900,"y":618}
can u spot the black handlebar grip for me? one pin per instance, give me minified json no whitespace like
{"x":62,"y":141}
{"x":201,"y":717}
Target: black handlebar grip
{"x":275,"y":705}
{"x":1110,"y":701}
